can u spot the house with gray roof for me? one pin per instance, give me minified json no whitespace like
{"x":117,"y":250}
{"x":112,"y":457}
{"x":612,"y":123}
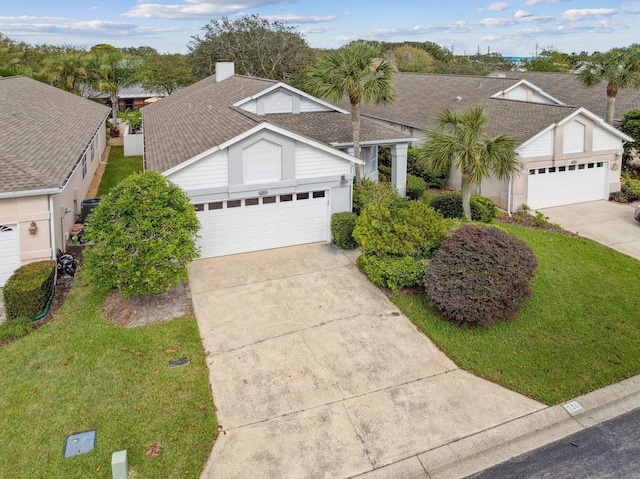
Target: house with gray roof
{"x":265,"y":164}
{"x":51,"y":142}
{"x":568,"y":153}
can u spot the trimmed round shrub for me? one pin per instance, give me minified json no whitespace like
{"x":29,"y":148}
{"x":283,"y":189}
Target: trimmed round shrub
{"x":449,"y":205}
{"x":367,"y":191}
{"x":342,"y":225}
{"x":480,"y":275}
{"x":402,"y":228}
{"x":415,"y":187}
{"x":394,"y":272}
{"x":28,"y":290}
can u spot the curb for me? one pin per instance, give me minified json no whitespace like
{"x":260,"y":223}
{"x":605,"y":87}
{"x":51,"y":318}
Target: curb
{"x":475,"y":453}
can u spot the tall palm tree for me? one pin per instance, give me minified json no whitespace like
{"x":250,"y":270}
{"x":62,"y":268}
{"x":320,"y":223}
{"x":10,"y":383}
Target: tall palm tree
{"x":461,"y":141}
{"x":619,"y":67}
{"x":355,"y":70}
{"x":66,"y":70}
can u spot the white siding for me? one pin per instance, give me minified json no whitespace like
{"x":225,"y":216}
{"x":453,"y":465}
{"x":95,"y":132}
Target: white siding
{"x":519,"y":93}
{"x":207,"y":172}
{"x":604,"y":140}
{"x":311,"y":162}
{"x":573,"y":138}
{"x":278,"y":102}
{"x":251,"y":107}
{"x":262,"y":162}
{"x":541,"y":146}
{"x":306,"y":106}
{"x":538,"y":98}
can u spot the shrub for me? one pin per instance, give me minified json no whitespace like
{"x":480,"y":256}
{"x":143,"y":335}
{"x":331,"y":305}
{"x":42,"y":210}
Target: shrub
{"x":415,"y":187}
{"x":384,"y":173}
{"x":394,"y":272}
{"x":416,"y":167}
{"x":28,"y":290}
{"x":342,"y":225}
{"x":480,"y":275}
{"x":367,"y":191}
{"x":143,"y":235}
{"x":403,"y":228}
{"x":631,"y":188}
{"x":449,"y":205}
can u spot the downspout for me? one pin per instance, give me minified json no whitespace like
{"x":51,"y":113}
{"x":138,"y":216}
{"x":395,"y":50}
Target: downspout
{"x":52,"y":232}
{"x":509,"y":197}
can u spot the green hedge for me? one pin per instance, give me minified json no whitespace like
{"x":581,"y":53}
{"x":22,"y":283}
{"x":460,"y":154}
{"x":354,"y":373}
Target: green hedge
{"x":367,"y":191}
{"x":394,"y":272}
{"x":342,"y":225}
{"x":28,"y":290}
{"x":449,"y":205}
{"x":415,"y":187}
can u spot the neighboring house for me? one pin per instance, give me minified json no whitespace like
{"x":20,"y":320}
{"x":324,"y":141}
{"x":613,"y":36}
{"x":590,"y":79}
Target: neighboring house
{"x":129,"y":98}
{"x":265,"y":164}
{"x":569,"y":154}
{"x":51,"y":143}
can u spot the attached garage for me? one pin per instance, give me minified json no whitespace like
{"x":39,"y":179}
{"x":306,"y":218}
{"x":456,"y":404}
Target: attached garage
{"x":564,"y":185}
{"x":9,"y":251}
{"x":257,"y":223}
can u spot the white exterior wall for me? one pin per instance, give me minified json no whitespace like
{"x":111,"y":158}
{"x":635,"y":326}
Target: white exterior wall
{"x":283,"y":101}
{"x":212,"y":171}
{"x":541,"y":146}
{"x":307,"y":106}
{"x":604,"y":140}
{"x":311,"y":162}
{"x":133,"y":144}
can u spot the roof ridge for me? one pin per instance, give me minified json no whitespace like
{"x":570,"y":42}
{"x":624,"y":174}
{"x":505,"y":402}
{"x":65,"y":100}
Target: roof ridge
{"x":515,"y":100}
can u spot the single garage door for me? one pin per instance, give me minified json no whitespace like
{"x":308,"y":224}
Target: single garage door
{"x":565,"y":185}
{"x":9,"y":252}
{"x":253,"y":224}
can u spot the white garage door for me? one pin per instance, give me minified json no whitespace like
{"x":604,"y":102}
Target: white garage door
{"x":9,"y":252}
{"x":565,"y":185}
{"x":253,"y":224}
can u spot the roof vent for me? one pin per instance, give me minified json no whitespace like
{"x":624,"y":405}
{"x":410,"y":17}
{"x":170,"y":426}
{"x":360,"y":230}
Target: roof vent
{"x":224,"y":70}
{"x":458,"y":98}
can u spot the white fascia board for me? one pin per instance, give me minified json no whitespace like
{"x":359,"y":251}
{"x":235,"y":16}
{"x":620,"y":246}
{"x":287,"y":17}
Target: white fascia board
{"x":292,"y":90}
{"x":259,"y":127}
{"x":21,"y":194}
{"x":375,"y":142}
{"x":535,"y":88}
{"x":599,"y":121}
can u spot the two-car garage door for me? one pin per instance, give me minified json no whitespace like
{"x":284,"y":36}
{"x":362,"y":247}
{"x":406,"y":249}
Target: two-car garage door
{"x":253,"y":224}
{"x":565,"y":185}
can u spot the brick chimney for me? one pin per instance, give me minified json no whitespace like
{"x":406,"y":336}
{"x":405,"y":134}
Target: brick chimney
{"x":224,"y":70}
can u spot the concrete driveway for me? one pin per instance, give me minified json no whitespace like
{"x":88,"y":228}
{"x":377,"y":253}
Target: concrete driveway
{"x":315,"y":374}
{"x":606,"y":222}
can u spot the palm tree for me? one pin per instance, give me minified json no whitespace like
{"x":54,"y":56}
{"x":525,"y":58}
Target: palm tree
{"x":67,"y":70}
{"x":357,"y":71}
{"x":619,"y":67}
{"x":462,"y":142}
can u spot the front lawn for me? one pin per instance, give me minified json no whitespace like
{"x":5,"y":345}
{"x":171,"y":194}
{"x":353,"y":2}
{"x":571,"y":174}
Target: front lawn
{"x":118,"y":168}
{"x":80,"y":372}
{"x":580,"y":331}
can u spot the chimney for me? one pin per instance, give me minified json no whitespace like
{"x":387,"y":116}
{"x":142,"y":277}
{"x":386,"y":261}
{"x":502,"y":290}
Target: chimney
{"x":224,"y":70}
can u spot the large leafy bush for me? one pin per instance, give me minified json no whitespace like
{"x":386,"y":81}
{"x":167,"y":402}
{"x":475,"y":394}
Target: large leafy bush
{"x":416,"y":187}
{"x":394,"y":272}
{"x":367,"y":191}
{"x":401,"y":228}
{"x":415,"y":166}
{"x":342,"y":225}
{"x":449,"y":205}
{"x":143,"y":236}
{"x":480,"y":275}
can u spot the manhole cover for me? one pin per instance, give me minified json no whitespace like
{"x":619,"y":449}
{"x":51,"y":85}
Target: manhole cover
{"x":79,"y":443}
{"x":174,"y":363}
{"x":572,"y":406}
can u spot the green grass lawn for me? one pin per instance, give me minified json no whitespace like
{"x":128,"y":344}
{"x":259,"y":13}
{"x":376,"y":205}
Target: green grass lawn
{"x":80,"y":372}
{"x":580,"y":331}
{"x":118,"y":168}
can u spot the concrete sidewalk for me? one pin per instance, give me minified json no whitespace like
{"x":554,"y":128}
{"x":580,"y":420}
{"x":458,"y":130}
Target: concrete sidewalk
{"x":316,"y":374}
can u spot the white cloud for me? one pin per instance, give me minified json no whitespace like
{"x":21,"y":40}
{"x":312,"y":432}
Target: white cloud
{"x":27,"y":18}
{"x":497,"y":6}
{"x":538,"y":2}
{"x":301,"y":18}
{"x":89,"y":28}
{"x":579,"y":14}
{"x":195,"y":8}
{"x":521,"y":14}
{"x":314,"y":29}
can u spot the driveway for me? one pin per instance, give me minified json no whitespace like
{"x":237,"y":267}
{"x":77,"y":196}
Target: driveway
{"x":315,"y":374}
{"x":606,"y":222}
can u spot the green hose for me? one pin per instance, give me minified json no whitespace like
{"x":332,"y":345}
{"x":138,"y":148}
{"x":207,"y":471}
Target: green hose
{"x":46,"y":308}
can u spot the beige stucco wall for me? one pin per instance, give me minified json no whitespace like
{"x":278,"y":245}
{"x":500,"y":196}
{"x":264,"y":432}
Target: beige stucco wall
{"x":23,"y":211}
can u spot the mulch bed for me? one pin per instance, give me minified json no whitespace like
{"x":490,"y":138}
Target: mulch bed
{"x":524,"y":219}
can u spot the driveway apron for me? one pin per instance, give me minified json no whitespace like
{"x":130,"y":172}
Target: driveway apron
{"x":316,"y":374}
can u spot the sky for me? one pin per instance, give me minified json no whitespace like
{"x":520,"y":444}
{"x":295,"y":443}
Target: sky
{"x":511,"y":27}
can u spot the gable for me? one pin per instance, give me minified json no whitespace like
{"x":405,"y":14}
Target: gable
{"x":540,"y":146}
{"x":605,"y":140}
{"x":282,"y":98}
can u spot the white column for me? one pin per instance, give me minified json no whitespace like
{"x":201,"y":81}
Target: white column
{"x":399,"y":167}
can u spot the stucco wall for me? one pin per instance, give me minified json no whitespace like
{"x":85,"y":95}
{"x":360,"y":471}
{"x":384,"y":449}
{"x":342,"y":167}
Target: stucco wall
{"x":133,"y":144}
{"x":23,"y":211}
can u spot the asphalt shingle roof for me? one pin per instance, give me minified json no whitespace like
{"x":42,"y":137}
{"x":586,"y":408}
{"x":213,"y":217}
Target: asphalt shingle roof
{"x":421,"y":96}
{"x":567,"y":88}
{"x":202,"y":116}
{"x":43,"y":133}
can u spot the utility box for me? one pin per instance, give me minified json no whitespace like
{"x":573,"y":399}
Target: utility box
{"x":86,"y":206}
{"x":119,"y":466}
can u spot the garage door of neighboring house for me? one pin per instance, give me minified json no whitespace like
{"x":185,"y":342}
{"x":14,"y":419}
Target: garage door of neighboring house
{"x":564,"y":185}
{"x":253,"y":224}
{"x":9,"y":251}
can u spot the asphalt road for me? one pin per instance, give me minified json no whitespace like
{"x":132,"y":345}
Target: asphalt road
{"x":608,"y":450}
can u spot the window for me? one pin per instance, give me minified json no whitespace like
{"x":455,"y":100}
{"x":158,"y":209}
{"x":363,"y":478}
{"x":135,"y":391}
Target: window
{"x":286,"y":198}
{"x":589,"y":165}
{"x":84,"y":166}
{"x":532,"y":171}
{"x":268,"y":199}
{"x":302,"y":196}
{"x":234,"y":203}
{"x":599,"y":164}
{"x":581,"y":167}
{"x":199,"y":207}
{"x":572,"y":167}
{"x":93,"y":152}
{"x":318,"y":194}
{"x":128,"y":104}
{"x":562,"y":168}
{"x":216,"y":205}
{"x":542,"y":171}
{"x":552,"y":169}
{"x":251,"y":201}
